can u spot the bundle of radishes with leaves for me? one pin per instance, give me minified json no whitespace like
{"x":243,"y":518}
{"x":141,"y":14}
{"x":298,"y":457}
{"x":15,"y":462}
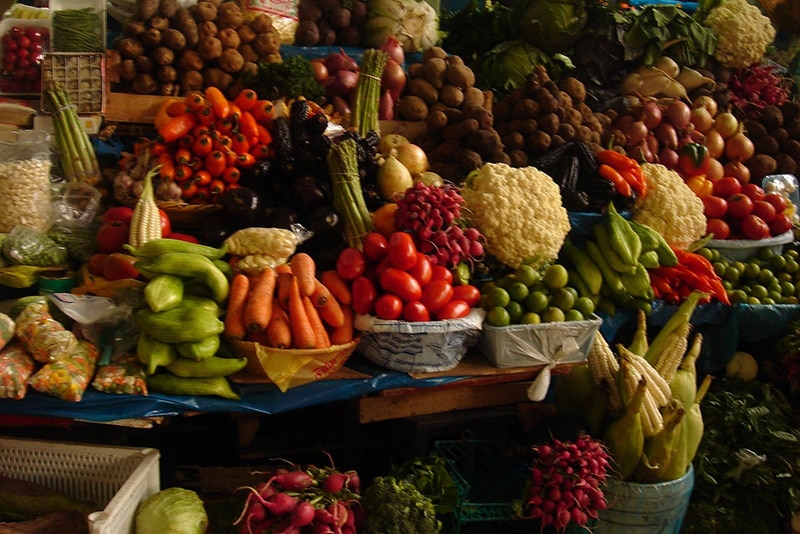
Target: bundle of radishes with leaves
{"x":299,"y":500}
{"x":566,"y":483}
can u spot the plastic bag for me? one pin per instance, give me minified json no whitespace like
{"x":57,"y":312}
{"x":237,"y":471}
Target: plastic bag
{"x":16,"y":367}
{"x":25,"y":185}
{"x":75,"y":205}
{"x":7,"y":329}
{"x":124,"y":375}
{"x":282,"y":12}
{"x":45,"y":338}
{"x":68,"y":377}
{"x":28,"y":246}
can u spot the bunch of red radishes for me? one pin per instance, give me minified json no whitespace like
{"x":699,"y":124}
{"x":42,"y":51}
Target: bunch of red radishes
{"x":432,"y":214}
{"x":566,"y":481}
{"x":309,"y":500}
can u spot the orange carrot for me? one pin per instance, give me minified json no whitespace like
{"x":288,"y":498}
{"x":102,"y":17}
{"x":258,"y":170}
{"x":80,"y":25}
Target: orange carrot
{"x":344,"y":333}
{"x":283,"y":268}
{"x":234,"y":316}
{"x":279,"y":333}
{"x":323,"y":340}
{"x":328,"y":307}
{"x":258,"y":309}
{"x":303,"y":333}
{"x":304,"y":269}
{"x":337,"y":286}
{"x":283,"y":289}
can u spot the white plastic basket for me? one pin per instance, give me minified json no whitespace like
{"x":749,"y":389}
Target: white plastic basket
{"x":114,"y":479}
{"x":744,"y":249}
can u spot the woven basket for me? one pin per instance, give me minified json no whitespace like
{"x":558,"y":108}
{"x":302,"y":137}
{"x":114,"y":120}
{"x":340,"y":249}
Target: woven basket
{"x":180,"y":213}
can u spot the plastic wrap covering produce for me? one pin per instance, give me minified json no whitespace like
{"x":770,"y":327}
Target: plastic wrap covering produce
{"x":25,"y":180}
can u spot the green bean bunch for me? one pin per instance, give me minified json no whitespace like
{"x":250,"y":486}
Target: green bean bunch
{"x":77,"y":30}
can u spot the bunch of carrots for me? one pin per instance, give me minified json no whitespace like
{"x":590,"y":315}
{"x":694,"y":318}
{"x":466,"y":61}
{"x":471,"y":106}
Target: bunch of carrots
{"x":693,"y":272}
{"x":622,"y":171}
{"x":205,"y":140}
{"x":289,"y":307}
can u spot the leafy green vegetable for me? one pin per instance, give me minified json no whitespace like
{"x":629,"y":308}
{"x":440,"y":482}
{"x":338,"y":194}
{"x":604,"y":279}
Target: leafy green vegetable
{"x":292,"y":78}
{"x":508,"y":65}
{"x":395,"y":506}
{"x":747,"y":470}
{"x":552,"y":25}
{"x":171,"y":511}
{"x":432,"y":479}
{"x":659,"y":30}
{"x":473,"y":31}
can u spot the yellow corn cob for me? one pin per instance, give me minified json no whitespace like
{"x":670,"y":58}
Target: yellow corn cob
{"x":683,"y":386}
{"x":678,"y":319}
{"x":624,"y":436}
{"x":658,"y":451}
{"x":671,"y":356}
{"x":690,"y":434}
{"x":603,"y":366}
{"x":656,"y":385}
{"x":652,"y":420}
{"x":146,"y":220}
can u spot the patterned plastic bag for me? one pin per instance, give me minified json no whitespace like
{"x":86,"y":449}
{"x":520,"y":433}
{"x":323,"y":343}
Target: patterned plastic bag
{"x":67,"y":378}
{"x":124,"y":375}
{"x":16,"y":367}
{"x":45,"y":338}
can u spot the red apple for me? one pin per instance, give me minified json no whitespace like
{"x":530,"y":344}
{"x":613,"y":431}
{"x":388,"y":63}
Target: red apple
{"x":118,"y":266}
{"x":739,"y":206}
{"x":764,"y":209}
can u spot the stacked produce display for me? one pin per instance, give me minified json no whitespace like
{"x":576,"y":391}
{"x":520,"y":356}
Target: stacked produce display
{"x":625,"y":176}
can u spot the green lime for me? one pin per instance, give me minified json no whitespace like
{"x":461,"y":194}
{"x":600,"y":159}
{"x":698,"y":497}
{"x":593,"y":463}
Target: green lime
{"x":527,"y":274}
{"x":758,"y":291}
{"x":765,"y":254}
{"x":777,"y":263}
{"x":727,"y":284}
{"x":573,"y":291}
{"x":752,"y":300}
{"x":738,"y":296}
{"x":497,"y":296}
{"x":766,"y":277}
{"x":506,"y":281}
{"x":518,"y":291}
{"x":488,"y":286}
{"x":792,"y":253}
{"x":791,"y":299}
{"x":775,"y":296}
{"x":751,"y":270}
{"x":553,"y":315}
{"x":738,"y":265}
{"x":515,"y":311}
{"x":731,"y":274}
{"x":585,"y":305}
{"x":562,"y":299}
{"x":769,"y":301}
{"x":498,"y":316}
{"x":530,"y":318}
{"x":791,"y":265}
{"x":556,"y":276}
{"x":785,"y":277}
{"x":574,"y":315}
{"x":707,"y":253}
{"x":537,"y":302}
{"x":719,"y":268}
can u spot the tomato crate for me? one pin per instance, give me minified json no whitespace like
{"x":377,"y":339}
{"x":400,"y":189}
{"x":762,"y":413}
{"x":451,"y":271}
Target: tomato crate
{"x":114,"y":480}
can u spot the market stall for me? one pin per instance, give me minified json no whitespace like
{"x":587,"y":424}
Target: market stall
{"x":412,"y":209}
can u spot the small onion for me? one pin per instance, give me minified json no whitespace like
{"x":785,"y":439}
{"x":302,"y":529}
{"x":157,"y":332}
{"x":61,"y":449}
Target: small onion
{"x":651,"y":114}
{"x":678,"y":114}
{"x":635,"y":133}
{"x":702,"y":119}
{"x":715,"y":143}
{"x":738,"y":170}
{"x":726,"y":124}
{"x":668,"y":157}
{"x":394,"y":48}
{"x":413,"y":157}
{"x":667,"y":135}
{"x":393,"y":78}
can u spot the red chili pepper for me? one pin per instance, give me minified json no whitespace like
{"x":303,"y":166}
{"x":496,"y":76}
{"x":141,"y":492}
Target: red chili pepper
{"x":216,"y":187}
{"x":183,"y":172}
{"x":183,"y":155}
{"x":616,"y":159}
{"x":195,"y":101}
{"x":260,"y":151}
{"x":215,"y":163}
{"x":188,"y":189}
{"x":264,"y":135}
{"x":225,"y":126}
{"x":166,"y":166}
{"x":262,"y":111}
{"x":245,"y":160}
{"x":612,"y":175}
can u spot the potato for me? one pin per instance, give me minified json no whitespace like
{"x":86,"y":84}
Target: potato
{"x":538,"y":142}
{"x":412,"y":108}
{"x":190,"y":60}
{"x":436,"y":120}
{"x":130,"y":47}
{"x":185,"y":23}
{"x":145,"y":9}
{"x":761,"y":165}
{"x":416,"y":70}
{"x":434,"y":51}
{"x":151,"y":37}
{"x":127,"y":70}
{"x":766,"y":145}
{"x":473,"y":95}
{"x":204,"y":11}
{"x":266,"y":43}
{"x":144,"y":84}
{"x":433,"y":70}
{"x":484,"y":142}
{"x":451,"y":95}
{"x":526,"y":108}
{"x":248,"y":54}
{"x":209,"y":48}
{"x":424,"y":89}
{"x":168,"y":8}
{"x":217,"y":77}
{"x":207,"y":29}
{"x":460,"y":75}
{"x":173,"y":39}
{"x":514,"y":141}
{"x":229,"y":37}
{"x":261,"y":24}
{"x":231,"y":61}
{"x":159,"y":23}
{"x":166,"y":74}
{"x":162,"y":56}
{"x":549,"y":123}
{"x":460,"y":130}
{"x":166,"y":89}
{"x":574,"y":88}
{"x":144,"y":63}
{"x":191,"y":80}
{"x":229,"y":15}
{"x":133,"y":28}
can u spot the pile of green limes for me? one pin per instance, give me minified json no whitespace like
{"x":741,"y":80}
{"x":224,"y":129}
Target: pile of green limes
{"x":769,"y":277}
{"x":532,"y":296}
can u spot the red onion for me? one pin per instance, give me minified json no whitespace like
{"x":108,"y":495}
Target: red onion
{"x":341,"y":83}
{"x":340,"y":61}
{"x":393,"y":79}
{"x":668,"y":157}
{"x":394,"y":48}
{"x":386,"y":107}
{"x":651,"y":114}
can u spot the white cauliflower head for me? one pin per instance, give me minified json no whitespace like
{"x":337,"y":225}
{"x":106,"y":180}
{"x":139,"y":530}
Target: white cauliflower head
{"x":670,"y":207}
{"x":743,"y":33}
{"x":518,"y":210}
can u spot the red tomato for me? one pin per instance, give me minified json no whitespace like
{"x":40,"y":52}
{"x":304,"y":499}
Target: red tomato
{"x":780,"y":224}
{"x":468,"y":293}
{"x":118,"y":266}
{"x":183,"y":237}
{"x":388,"y":307}
{"x":754,"y":191}
{"x":402,"y":251}
{"x":350,"y":264}
{"x":416,"y":311}
{"x":436,"y":294}
{"x":764,"y":209}
{"x":119,"y":213}
{"x":401,"y":283}
{"x":112,"y":235}
{"x":739,"y":206}
{"x":777,"y":200}
{"x":455,"y":309}
{"x":754,"y":227}
{"x":423,"y":270}
{"x":95,"y":263}
{"x":726,"y":187}
{"x":166,"y":225}
{"x":375,"y":247}
{"x":440,"y":272}
{"x":364,"y":295}
{"x":718,"y":227}
{"x":714,"y":206}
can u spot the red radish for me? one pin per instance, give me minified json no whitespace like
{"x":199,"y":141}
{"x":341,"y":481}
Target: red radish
{"x":334,"y":482}
{"x":303,"y":514}
{"x":339,"y":512}
{"x":294,"y":480}
{"x":324,"y":516}
{"x":353,"y":481}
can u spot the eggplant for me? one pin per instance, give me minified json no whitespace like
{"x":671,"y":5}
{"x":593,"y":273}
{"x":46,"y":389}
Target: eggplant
{"x":281,"y":217}
{"x":307,"y":193}
{"x":243,"y":207}
{"x":321,"y":221}
{"x":215,"y":230}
